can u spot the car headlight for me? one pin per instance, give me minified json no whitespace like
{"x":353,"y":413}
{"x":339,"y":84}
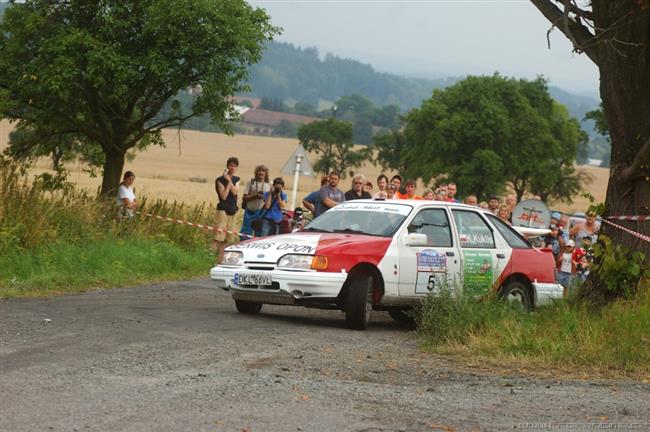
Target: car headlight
{"x":303,"y":262}
{"x":232,"y":258}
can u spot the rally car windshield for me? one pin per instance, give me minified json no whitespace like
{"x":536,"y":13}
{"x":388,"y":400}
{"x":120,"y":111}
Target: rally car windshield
{"x":377,"y":220}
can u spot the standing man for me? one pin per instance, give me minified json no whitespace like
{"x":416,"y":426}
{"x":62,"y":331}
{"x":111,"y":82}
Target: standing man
{"x":226,"y":186}
{"x":409,"y":186}
{"x":471,"y":200}
{"x":493,"y":204}
{"x":397,"y":181}
{"x":330,"y":194}
{"x":451,"y":193}
{"x":312,"y":201}
{"x":382,"y":183}
{"x":357,"y":191}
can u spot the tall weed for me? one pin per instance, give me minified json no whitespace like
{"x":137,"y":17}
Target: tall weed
{"x":564,"y":335}
{"x":66,"y":239}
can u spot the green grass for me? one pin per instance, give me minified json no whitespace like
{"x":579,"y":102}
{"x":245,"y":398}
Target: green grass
{"x":564,"y":336}
{"x":109,"y":262}
{"x":64,"y":240}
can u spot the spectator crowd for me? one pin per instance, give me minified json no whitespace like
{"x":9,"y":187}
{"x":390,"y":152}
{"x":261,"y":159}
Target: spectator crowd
{"x":264,"y":203}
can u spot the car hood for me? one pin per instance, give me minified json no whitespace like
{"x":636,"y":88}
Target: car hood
{"x":270,"y":249}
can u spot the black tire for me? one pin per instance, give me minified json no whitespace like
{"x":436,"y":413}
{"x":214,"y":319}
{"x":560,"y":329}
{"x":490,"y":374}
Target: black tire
{"x":358,"y":302}
{"x":248,"y":307}
{"x":517,"y":292}
{"x":402,"y":316}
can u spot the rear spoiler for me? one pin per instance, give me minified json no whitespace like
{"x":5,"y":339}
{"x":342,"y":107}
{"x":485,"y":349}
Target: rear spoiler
{"x":532,"y":232}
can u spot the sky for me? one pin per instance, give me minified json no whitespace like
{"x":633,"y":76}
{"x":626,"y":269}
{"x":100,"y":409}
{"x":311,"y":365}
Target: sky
{"x":436,"y":38}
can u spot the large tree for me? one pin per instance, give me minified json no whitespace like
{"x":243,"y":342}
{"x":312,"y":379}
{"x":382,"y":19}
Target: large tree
{"x":484,"y":132}
{"x":101,"y":72}
{"x":615,"y":35}
{"x":332,"y":140}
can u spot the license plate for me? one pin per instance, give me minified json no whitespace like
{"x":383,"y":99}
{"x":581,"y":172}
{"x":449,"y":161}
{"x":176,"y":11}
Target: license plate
{"x":260,"y":279}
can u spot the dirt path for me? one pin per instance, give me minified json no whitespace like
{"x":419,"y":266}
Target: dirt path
{"x":178,"y":357}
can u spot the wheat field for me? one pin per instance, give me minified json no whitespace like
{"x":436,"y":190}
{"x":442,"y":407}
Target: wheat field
{"x":165,"y":172}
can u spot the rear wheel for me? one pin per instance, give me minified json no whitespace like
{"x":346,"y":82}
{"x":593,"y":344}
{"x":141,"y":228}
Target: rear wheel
{"x":358,"y":302}
{"x":517,"y":293}
{"x":248,"y":307}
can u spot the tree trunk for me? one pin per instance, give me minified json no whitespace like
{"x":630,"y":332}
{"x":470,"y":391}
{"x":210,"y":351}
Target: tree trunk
{"x":624,"y":64}
{"x":113,"y":166}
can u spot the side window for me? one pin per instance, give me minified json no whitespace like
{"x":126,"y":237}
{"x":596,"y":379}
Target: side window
{"x":435,"y":224}
{"x":512,"y":237}
{"x":473,"y":231}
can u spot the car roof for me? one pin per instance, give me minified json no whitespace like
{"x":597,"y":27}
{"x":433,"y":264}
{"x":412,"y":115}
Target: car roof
{"x":423,"y":203}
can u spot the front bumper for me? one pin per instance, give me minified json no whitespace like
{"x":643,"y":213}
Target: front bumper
{"x":288,"y":286}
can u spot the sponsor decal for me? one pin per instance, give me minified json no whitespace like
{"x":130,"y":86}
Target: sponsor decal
{"x":401,"y":209}
{"x":296,"y":244}
{"x":478,"y":272}
{"x":476,"y":240}
{"x":431,"y":261}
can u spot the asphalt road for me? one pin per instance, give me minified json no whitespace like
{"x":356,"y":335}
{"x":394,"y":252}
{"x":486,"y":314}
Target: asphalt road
{"x":178,"y":357}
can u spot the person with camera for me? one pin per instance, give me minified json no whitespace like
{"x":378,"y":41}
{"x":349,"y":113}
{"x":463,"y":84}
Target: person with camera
{"x":253,"y":199}
{"x":226,"y":187}
{"x":274,"y":202}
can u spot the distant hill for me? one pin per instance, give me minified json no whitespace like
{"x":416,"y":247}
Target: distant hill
{"x":290,"y":72}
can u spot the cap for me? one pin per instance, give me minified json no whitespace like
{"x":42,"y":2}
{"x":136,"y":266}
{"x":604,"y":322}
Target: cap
{"x":570,"y":243}
{"x":556,"y":215}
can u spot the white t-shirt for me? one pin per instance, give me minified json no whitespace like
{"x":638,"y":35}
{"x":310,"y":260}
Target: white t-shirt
{"x":566,"y":265}
{"x":125,"y":192}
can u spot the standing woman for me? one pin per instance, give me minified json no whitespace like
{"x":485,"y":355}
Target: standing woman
{"x":126,"y":201}
{"x":587,"y":229}
{"x":253,"y":199}
{"x":504,"y":213}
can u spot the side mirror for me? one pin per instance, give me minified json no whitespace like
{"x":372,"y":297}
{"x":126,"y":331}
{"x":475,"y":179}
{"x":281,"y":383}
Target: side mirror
{"x":416,"y":239}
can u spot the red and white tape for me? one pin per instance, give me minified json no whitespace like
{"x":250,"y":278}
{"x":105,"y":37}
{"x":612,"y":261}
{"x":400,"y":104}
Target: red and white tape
{"x":629,"y":231}
{"x":183,"y":222}
{"x":630,"y":218}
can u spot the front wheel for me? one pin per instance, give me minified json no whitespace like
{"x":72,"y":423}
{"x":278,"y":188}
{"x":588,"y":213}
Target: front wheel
{"x":517,"y":293}
{"x":358,"y":302}
{"x":248,"y":307}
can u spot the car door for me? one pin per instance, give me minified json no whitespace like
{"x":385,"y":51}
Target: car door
{"x":483,"y":255}
{"x":430,"y":267}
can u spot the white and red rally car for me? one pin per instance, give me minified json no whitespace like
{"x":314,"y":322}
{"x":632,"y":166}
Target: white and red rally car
{"x":367,"y":255}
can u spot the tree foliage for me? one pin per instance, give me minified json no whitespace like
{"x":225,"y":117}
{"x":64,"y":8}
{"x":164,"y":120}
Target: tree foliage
{"x":100,"y":73}
{"x":389,"y":148}
{"x":484,"y":132}
{"x":332,"y":139}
